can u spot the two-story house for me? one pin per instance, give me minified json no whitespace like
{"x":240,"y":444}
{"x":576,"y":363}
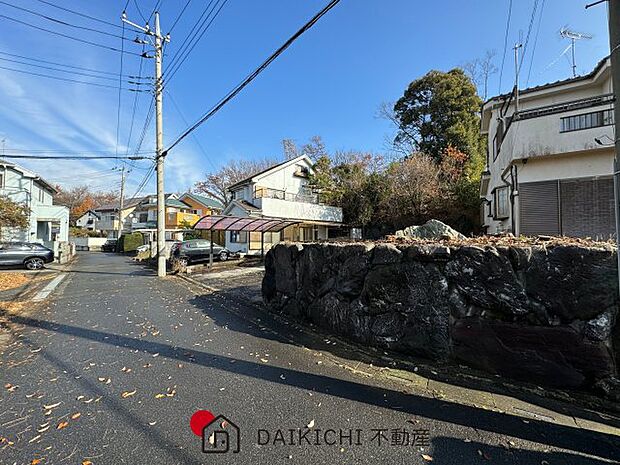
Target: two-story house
{"x":48,"y":223}
{"x":281,"y":191}
{"x":550,"y":161}
{"x":109,"y":217}
{"x":88,"y":221}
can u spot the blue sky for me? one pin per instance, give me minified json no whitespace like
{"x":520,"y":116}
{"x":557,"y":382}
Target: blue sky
{"x":329,"y":83}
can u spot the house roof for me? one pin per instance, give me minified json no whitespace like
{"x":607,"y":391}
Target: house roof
{"x":29,"y":174}
{"x":599,"y":66}
{"x":206,"y":201}
{"x":170,"y":202}
{"x":265,"y":171}
{"x":92,"y":212}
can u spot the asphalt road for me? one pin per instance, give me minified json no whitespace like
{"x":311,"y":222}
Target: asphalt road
{"x":113,"y":367}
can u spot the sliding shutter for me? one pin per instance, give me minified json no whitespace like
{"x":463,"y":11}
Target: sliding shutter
{"x":587,"y":207}
{"x":539,"y":208}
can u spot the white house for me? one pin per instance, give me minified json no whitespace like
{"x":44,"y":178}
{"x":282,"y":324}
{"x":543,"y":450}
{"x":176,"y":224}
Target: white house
{"x":550,"y":162}
{"x":48,"y":223}
{"x":88,"y":221}
{"x":281,"y":191}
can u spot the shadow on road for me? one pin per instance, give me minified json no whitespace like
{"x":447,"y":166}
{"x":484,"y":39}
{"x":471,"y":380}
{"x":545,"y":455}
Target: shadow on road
{"x":282,"y":329}
{"x":446,"y":449}
{"x":584,"y":441}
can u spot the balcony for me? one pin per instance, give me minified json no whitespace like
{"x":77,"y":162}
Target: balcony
{"x":267,"y":193}
{"x":179,"y":220}
{"x":304,"y":206}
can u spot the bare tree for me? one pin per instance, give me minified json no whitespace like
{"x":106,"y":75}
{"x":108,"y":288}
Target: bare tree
{"x":480,"y":70}
{"x":216,"y":183}
{"x":315,"y":149}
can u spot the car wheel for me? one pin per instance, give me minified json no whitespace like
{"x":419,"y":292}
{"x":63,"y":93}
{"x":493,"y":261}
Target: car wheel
{"x":223,"y":256}
{"x":183,"y":261}
{"x":34,"y":263}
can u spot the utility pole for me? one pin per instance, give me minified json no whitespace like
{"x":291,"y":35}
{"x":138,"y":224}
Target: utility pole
{"x":120,"y":204}
{"x":614,"y":41}
{"x":159,"y":137}
{"x":516,"y":49}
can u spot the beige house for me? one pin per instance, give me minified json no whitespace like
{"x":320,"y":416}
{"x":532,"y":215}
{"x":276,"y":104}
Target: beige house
{"x":550,"y":162}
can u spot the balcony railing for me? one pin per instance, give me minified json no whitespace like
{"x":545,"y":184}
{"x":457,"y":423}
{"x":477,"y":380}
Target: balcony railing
{"x":267,"y":193}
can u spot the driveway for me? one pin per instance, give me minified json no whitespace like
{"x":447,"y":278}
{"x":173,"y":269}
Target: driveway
{"x":115,"y":363}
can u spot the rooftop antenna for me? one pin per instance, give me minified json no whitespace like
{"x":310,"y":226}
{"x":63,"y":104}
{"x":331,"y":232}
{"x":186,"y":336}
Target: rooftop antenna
{"x":574,"y":36}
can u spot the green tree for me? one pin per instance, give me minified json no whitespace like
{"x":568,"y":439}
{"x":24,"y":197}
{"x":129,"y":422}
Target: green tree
{"x":13,"y":214}
{"x":438,"y":111}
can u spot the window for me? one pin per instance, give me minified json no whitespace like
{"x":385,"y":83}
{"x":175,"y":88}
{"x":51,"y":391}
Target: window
{"x":143,"y":217}
{"x":502,"y":204}
{"x":1,"y":180}
{"x":238,"y":237}
{"x":587,"y":120}
{"x":41,"y":195}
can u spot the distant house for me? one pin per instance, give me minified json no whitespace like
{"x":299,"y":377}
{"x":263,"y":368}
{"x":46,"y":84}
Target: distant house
{"x":550,"y":162}
{"x":281,"y":191}
{"x":109,"y":217}
{"x":181,"y":214}
{"x":202,"y":205}
{"x":48,"y":223}
{"x":88,"y":221}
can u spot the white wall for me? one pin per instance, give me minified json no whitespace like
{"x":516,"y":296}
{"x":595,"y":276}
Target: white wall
{"x":301,"y":210}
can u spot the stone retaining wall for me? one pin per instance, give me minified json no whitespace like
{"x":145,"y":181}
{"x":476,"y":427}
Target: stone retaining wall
{"x":546,"y":315}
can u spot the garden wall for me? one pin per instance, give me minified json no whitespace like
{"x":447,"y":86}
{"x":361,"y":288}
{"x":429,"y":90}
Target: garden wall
{"x":544,"y":313}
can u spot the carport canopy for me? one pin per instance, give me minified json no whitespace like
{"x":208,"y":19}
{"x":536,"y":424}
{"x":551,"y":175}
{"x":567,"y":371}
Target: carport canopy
{"x":243,"y":223}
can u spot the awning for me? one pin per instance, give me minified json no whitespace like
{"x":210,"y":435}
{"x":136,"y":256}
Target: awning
{"x":243,"y":223}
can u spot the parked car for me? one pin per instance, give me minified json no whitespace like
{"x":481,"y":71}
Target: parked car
{"x":199,"y":250}
{"x":109,"y":246}
{"x":143,"y":248}
{"x":32,"y":256}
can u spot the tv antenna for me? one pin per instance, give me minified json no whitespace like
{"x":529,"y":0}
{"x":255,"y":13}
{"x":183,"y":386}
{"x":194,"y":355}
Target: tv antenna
{"x":574,"y":36}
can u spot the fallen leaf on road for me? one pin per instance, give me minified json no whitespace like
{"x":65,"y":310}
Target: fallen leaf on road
{"x":152,"y":423}
{"x":264,"y":360}
{"x":76,"y":415}
{"x":126,"y":394}
{"x":427,"y":457}
{"x":37,"y":437}
{"x":43,"y":429}
{"x":311,"y":424}
{"x":35,"y":461}
{"x":87,"y":462}
{"x":9,"y":387}
{"x":171,"y":393}
{"x":159,"y":396}
{"x":62,"y":425}
{"x":51,"y":406}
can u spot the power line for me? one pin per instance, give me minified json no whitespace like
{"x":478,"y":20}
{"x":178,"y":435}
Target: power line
{"x":529,"y":32}
{"x":139,"y":11}
{"x":174,"y":23}
{"x":71,"y":66}
{"x":191,"y":34}
{"x":501,"y":72}
{"x":196,"y":40}
{"x":94,"y":44}
{"x":58,"y":21}
{"x":529,"y":71}
{"x":70,"y":80}
{"x":79,"y":14}
{"x":154,"y":10}
{"x":202,"y":149}
{"x":254,"y":74}
{"x":74,"y":157}
{"x":78,"y":73}
{"x":101,"y":152}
